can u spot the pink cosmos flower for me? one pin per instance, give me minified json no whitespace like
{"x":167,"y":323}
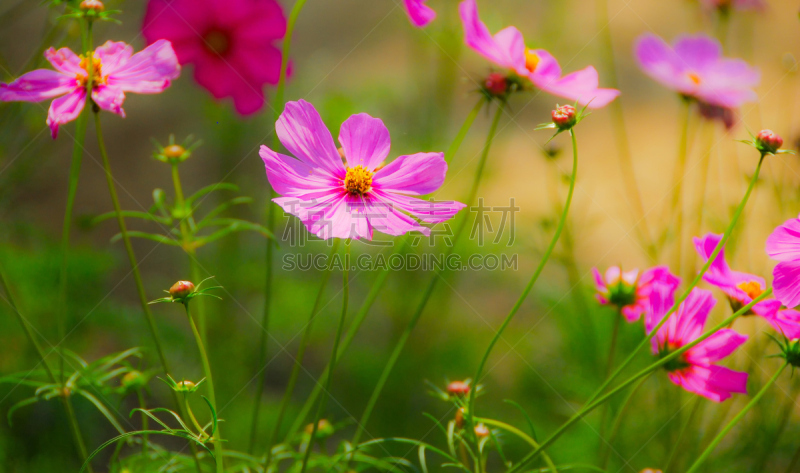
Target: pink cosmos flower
{"x":783,"y":245}
{"x":742,"y":288}
{"x":629,"y":292}
{"x":229,"y":42}
{"x":694,"y":370}
{"x":116,"y":71}
{"x":352,"y":199}
{"x":507,"y":50}
{"x":419,"y":13}
{"x":695,"y":68}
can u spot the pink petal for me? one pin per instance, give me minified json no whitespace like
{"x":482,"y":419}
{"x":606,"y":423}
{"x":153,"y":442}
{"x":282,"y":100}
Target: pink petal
{"x":698,"y":52}
{"x":365,"y":141}
{"x":38,"y":85}
{"x":336,"y":216}
{"x":632,"y":313}
{"x":416,"y":174}
{"x":598,"y":280}
{"x":264,"y":23}
{"x":110,"y":99}
{"x":147,"y":72}
{"x":419,"y":13}
{"x":784,"y":242}
{"x":302,"y":132}
{"x":659,"y":60}
{"x":691,"y":316}
{"x":787,"y":323}
{"x":65,"y":61}
{"x":113,"y":55}
{"x":660,"y":301}
{"x":248,"y":100}
{"x":712,"y":382}
{"x":716,"y":347}
{"x":427,"y":211}
{"x":385,"y":218}
{"x":65,"y":109}
{"x":176,"y":20}
{"x":293,"y":178}
{"x":215,"y":76}
{"x":582,"y":86}
{"x":786,"y":283}
{"x":477,"y":37}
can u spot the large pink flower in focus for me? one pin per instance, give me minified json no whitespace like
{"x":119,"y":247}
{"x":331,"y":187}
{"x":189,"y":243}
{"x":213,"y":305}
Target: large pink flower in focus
{"x":229,"y":42}
{"x":352,"y":199}
{"x":695,"y":370}
{"x":630,"y":292}
{"x":694,"y":67}
{"x":116,"y":70}
{"x":742,"y":288}
{"x":419,"y":13}
{"x":507,"y":50}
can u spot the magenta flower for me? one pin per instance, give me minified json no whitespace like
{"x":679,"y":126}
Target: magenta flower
{"x":694,"y":67}
{"x":229,"y":42}
{"x":694,"y":370}
{"x":419,"y":13}
{"x":352,"y":199}
{"x":629,"y":292}
{"x":783,"y":245}
{"x":742,"y":288}
{"x":507,"y":50}
{"x":116,"y":71}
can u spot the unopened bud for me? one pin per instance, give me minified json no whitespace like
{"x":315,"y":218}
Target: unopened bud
{"x":324,"y":428}
{"x":650,"y":470}
{"x":481,"y":431}
{"x":174,"y":151}
{"x":768,"y":141}
{"x":132,"y":379}
{"x":92,"y":5}
{"x":181,"y":289}
{"x":460,"y":417}
{"x":564,"y":117}
{"x":496,"y":84}
{"x":458,"y":388}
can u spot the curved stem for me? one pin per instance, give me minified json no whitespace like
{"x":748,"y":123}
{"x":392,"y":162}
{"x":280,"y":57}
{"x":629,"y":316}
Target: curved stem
{"x":707,"y":452}
{"x":527,"y":438}
{"x":334,"y":352}
{"x":218,"y":452}
{"x":398,"y":348}
{"x":462,"y":132}
{"x":562,"y":221}
{"x":604,"y":454}
{"x":590,"y":406}
{"x":298,"y":361}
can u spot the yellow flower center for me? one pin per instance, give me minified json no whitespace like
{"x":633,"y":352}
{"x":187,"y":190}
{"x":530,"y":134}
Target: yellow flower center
{"x":358,"y":180}
{"x":97,"y":71}
{"x":531,"y":60}
{"x":694,"y":78}
{"x":751,"y":288}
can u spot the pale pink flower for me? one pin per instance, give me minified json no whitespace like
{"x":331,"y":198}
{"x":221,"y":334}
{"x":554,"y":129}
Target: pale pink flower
{"x":363,"y":194}
{"x":419,"y":13}
{"x":629,"y":292}
{"x":694,"y":370}
{"x":507,"y":50}
{"x":116,"y":71}
{"x":230,"y":43}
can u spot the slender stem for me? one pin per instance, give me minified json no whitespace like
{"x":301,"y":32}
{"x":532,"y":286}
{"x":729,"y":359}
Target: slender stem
{"x":534,"y":278}
{"x":612,"y":435}
{"x":610,"y":364}
{"x":398,"y":348}
{"x":218,"y":453}
{"x":145,"y":421}
{"x":334,"y":352}
{"x":590,"y":406}
{"x":462,"y":132}
{"x":710,"y":449}
{"x":677,"y":444}
{"x":705,"y":164}
{"x":676,"y":210}
{"x":527,"y":438}
{"x":785,"y":414}
{"x":298,"y":361}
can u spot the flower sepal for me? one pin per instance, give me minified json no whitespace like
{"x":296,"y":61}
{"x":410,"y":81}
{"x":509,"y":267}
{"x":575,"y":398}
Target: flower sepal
{"x":183,"y":386}
{"x":174,"y":153}
{"x":790,"y":350}
{"x":92,"y":10}
{"x":184,"y":291}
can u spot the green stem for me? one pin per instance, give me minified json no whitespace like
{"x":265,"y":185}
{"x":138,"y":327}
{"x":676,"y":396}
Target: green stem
{"x":676,"y":210}
{"x":534,"y":278}
{"x":145,"y":421}
{"x":334,"y":352}
{"x":398,"y":348}
{"x":298,"y":361}
{"x":218,"y":453}
{"x":519,"y":433}
{"x":710,"y":449}
{"x":676,"y":446}
{"x":785,"y":414}
{"x":590,"y":406}
{"x":462,"y":132}
{"x":287,"y":44}
{"x":610,"y":364}
{"x":612,"y":435}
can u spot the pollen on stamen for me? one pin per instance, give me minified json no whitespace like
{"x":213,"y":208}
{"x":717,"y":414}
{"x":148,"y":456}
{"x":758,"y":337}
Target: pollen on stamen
{"x":358,"y":180}
{"x":694,"y":78}
{"x":531,"y":60}
{"x":751,"y":288}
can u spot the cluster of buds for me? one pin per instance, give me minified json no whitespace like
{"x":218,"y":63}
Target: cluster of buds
{"x":767,"y":142}
{"x":175,"y":153}
{"x":184,"y":291}
{"x":184,"y":386}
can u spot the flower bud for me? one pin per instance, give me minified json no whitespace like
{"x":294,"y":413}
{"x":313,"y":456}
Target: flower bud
{"x":481,"y":431}
{"x":174,"y":151}
{"x":458,"y":388}
{"x":133,"y":380}
{"x":460,"y":417}
{"x":92,"y":5}
{"x":768,"y":141}
{"x":650,"y":470}
{"x":564,"y":117}
{"x":324,"y":429}
{"x":496,"y":84}
{"x":181,"y":289}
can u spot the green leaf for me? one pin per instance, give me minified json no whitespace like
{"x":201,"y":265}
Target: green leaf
{"x":103,"y":410}
{"x":130,"y":214}
{"x":213,"y":414}
{"x":208,"y":189}
{"x":141,"y":432}
{"x":239,"y":225}
{"x":527,"y":417}
{"x":20,"y":404}
{"x":147,"y":236}
{"x":221,"y":208}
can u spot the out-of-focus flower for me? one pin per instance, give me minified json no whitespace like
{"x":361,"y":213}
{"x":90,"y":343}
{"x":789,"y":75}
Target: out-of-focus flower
{"x":496,"y":84}
{"x":458,"y":388}
{"x":324,"y":429}
{"x":481,"y":431}
{"x":783,"y":245}
{"x":419,"y":13}
{"x":695,"y":68}
{"x":507,"y":50}
{"x":229,"y":42}
{"x":694,"y":370}
{"x":352,"y":199}
{"x":115,"y":70}
{"x":742,"y":288}
{"x":630,"y":293}
{"x":94,"y":5}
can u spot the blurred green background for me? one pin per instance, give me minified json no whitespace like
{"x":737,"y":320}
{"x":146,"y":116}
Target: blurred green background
{"x":353,"y":56}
